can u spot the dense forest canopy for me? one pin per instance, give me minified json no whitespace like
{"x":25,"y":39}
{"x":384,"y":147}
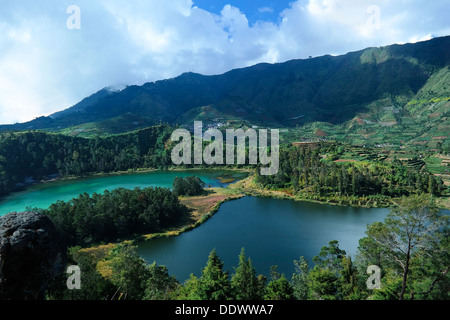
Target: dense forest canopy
{"x":37,"y":155}
{"x":303,"y":170}
{"x":115,"y":215}
{"x":189,"y":186}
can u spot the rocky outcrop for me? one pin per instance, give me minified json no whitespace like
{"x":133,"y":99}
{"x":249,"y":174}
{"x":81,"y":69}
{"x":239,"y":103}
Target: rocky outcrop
{"x":31,"y":255}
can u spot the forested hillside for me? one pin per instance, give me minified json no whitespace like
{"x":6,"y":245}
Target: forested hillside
{"x":34,"y":156}
{"x":310,"y":173}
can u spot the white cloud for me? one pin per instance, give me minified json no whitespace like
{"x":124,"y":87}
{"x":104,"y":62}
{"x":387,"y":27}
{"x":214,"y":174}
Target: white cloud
{"x":265,"y":10}
{"x":44,"y":67}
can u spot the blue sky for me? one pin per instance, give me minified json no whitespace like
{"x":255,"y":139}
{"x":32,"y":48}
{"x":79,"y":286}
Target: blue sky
{"x":256,"y":10}
{"x":52,"y":56}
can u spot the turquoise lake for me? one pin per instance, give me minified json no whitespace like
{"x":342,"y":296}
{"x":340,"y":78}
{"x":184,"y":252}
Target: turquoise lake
{"x":43,"y":195}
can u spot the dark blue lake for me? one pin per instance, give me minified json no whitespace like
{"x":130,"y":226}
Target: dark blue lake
{"x":272,"y":231}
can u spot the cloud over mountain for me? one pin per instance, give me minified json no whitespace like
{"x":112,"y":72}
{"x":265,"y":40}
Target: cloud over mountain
{"x":46,"y":67}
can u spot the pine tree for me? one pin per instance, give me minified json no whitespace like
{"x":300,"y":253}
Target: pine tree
{"x":323,"y":284}
{"x":189,"y":290}
{"x":279,"y":287}
{"x":214,"y":283}
{"x":348,"y":280}
{"x":244,"y":282}
{"x":300,"y":279}
{"x":432,"y":186}
{"x":330,"y":257}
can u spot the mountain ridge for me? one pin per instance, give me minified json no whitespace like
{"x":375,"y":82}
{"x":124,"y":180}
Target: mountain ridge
{"x":331,"y":89}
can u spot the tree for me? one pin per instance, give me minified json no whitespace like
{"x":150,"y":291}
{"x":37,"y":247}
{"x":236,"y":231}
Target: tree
{"x":431,"y":277}
{"x":93,"y":285}
{"x":279,"y":287}
{"x":160,"y":285}
{"x":189,"y":186}
{"x":330,"y":257}
{"x":129,"y":273}
{"x":120,"y":213}
{"x":300,"y":279}
{"x":410,"y":231}
{"x":245,"y":284}
{"x":213,"y":284}
{"x":348,"y":281}
{"x":38,"y":154}
{"x":323,"y":284}
{"x":432,"y":185}
{"x":189,"y":290}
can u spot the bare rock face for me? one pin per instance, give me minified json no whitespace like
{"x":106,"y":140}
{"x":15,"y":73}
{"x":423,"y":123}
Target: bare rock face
{"x":31,"y":255}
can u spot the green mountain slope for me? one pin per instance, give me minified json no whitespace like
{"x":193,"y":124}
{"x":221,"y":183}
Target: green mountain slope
{"x":360,"y":93}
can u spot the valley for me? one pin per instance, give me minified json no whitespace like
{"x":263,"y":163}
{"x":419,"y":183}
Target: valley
{"x":363,"y":136}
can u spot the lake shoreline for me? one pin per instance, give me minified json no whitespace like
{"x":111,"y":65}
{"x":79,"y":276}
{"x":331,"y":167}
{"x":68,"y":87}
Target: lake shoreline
{"x":205,"y":207}
{"x":101,"y":252}
{"x":119,"y":173}
{"x":198,"y":218}
{"x":234,"y":191}
{"x":42,"y":182}
{"x":249,"y":187}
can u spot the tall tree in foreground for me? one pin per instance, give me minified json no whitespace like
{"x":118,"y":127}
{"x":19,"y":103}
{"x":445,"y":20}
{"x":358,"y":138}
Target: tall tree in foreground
{"x":129,"y":273}
{"x":323,"y":284}
{"x":279,"y":287}
{"x":348,"y":281}
{"x":213,"y":284}
{"x":330,"y":257}
{"x":300,"y":282}
{"x":432,"y":279}
{"x":160,"y":284}
{"x":412,"y":231}
{"x":245,"y":284}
